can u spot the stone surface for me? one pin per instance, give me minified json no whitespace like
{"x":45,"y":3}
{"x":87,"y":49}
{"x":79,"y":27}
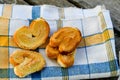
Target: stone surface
{"x":13,"y":2}
{"x":21,"y":2}
{"x":60,"y":3}
{"x":117,"y":42}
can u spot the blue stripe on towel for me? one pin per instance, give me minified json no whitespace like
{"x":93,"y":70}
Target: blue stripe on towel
{"x":35,"y":12}
{"x":78,"y":70}
{"x":103,"y":67}
{"x":51,"y":72}
{"x":4,"y":73}
{"x":74,"y":70}
{"x":36,"y":75}
{"x":94,"y":68}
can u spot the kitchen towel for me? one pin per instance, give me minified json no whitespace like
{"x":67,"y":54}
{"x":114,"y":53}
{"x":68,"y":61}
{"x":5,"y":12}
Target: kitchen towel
{"x":95,"y":57}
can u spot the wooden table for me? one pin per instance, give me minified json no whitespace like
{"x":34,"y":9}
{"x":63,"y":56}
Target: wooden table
{"x":112,"y":5}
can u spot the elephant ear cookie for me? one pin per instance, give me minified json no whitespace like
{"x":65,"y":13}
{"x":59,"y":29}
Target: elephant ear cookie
{"x":66,"y":60}
{"x":62,"y":45}
{"x":26,"y":62}
{"x":66,"y":39}
{"x":33,"y":36}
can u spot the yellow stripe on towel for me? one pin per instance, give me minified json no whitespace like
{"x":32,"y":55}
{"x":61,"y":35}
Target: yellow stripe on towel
{"x":102,"y":20}
{"x":97,"y":38}
{"x":4,"y":78}
{"x":3,"y":40}
{"x":4,"y":22}
{"x":3,"y":58}
{"x":7,"y":10}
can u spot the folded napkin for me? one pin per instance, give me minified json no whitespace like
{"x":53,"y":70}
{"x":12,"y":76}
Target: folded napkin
{"x":95,"y":57}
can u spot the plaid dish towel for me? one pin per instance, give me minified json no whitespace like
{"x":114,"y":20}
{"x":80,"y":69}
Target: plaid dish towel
{"x":95,"y":57}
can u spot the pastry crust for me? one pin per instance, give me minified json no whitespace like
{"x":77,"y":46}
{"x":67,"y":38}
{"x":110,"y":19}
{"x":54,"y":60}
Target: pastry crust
{"x":33,"y":36}
{"x":66,"y":60}
{"x":62,"y":45}
{"x":52,"y":52}
{"x":66,"y":39}
{"x":26,"y":62}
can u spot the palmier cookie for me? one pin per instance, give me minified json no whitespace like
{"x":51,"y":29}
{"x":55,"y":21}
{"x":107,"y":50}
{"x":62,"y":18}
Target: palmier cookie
{"x":66,"y":39}
{"x":62,"y":45}
{"x":33,"y":36}
{"x":64,"y":59}
{"x":26,"y":62}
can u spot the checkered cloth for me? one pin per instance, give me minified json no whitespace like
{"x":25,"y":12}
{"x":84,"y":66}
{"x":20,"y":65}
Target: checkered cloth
{"x":95,"y":57}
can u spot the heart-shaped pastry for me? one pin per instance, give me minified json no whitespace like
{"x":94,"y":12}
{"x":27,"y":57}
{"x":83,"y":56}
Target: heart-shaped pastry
{"x":26,"y":62}
{"x":33,"y":36}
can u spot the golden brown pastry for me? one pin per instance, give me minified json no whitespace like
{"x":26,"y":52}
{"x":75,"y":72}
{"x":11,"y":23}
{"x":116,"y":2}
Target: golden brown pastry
{"x":62,"y":45}
{"x":52,"y":52}
{"x":33,"y":36}
{"x":66,"y":39}
{"x":26,"y":62}
{"x":66,"y":60}
{"x":45,"y":44}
